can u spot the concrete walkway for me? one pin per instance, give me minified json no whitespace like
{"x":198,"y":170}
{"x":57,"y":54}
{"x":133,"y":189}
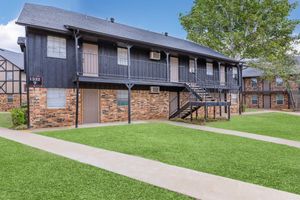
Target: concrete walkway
{"x":264,"y":138}
{"x":189,"y":182}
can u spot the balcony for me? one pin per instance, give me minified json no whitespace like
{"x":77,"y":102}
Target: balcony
{"x":109,"y":67}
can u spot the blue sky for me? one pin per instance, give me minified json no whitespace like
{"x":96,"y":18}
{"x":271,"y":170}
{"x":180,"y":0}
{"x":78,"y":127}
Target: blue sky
{"x":155,"y":15}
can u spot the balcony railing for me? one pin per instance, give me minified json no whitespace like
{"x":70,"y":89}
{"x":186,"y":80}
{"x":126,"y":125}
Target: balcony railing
{"x":110,"y":66}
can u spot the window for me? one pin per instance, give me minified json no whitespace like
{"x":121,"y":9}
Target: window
{"x":9,"y":76}
{"x":122,"y":56}
{"x":56,"y":98}
{"x":122,"y":98}
{"x":254,"y":82}
{"x":209,"y":69}
{"x":10,"y":98}
{"x":192,"y":66}
{"x":279,"y":81}
{"x":56,"y":47}
{"x":234,"y":73}
{"x":254,"y":99}
{"x":279,"y":99}
{"x":234,"y":98}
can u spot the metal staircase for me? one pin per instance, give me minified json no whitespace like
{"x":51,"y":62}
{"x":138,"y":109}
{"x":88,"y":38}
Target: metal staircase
{"x":197,"y":97}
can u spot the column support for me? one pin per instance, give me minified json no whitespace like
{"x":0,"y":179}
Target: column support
{"x":20,"y":87}
{"x":77,"y":37}
{"x":168,"y":65}
{"x":129,"y":86}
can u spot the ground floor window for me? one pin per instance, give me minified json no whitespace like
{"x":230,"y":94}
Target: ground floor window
{"x":56,"y":98}
{"x":279,"y":99}
{"x":234,"y":98}
{"x":10,"y":98}
{"x":254,"y":99}
{"x":122,"y":97}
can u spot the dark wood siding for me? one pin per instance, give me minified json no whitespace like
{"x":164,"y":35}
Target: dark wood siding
{"x":55,"y":72}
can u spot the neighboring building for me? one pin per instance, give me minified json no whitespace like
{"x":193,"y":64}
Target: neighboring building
{"x":259,"y":92}
{"x":119,"y":72}
{"x":12,"y":80}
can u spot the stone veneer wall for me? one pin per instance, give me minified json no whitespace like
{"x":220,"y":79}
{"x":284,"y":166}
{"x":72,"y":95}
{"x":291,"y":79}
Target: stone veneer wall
{"x":43,"y":117}
{"x":7,"y":106}
{"x":144,"y":106}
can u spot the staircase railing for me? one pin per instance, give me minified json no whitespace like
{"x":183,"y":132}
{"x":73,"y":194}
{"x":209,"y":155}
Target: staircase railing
{"x":291,"y":96}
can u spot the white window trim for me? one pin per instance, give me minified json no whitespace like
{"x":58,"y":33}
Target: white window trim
{"x":64,"y":98}
{"x":209,"y":69}
{"x":122,"y":56}
{"x":277,"y":99}
{"x":278,"y":78}
{"x":56,"y":47}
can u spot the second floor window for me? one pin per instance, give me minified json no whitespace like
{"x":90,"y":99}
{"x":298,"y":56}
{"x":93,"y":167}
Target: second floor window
{"x":254,"y":99}
{"x":279,"y":99}
{"x":56,"y":47}
{"x":122,"y":56}
{"x":192,"y":66}
{"x":279,"y":81}
{"x":234,"y":73}
{"x":254,"y":82}
{"x":209,"y":69}
{"x":9,"y":76}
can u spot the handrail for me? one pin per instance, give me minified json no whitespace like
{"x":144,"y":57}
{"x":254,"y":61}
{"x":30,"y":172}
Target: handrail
{"x":288,"y":87}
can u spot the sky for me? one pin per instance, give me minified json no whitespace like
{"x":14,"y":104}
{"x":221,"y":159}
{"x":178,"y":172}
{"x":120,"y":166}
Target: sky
{"x":155,"y":15}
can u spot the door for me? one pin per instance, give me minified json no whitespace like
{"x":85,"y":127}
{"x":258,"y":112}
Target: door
{"x":174,"y":65}
{"x":266,"y":85}
{"x":222,"y":75}
{"x":90,"y":106}
{"x":267,"y":101}
{"x":173,"y":102}
{"x":90,"y":59}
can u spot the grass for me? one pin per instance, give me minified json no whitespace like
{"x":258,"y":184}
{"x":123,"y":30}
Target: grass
{"x":28,"y":173}
{"x":257,"y":162}
{"x":5,"y":120}
{"x":252,"y":110}
{"x":271,"y":124}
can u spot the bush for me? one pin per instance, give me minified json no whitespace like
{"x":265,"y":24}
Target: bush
{"x":18,"y":116}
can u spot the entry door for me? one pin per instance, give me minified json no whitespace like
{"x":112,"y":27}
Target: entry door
{"x":267,"y":102}
{"x":90,"y":60}
{"x":266,"y":85}
{"x":222,"y":75}
{"x":174,"y":67}
{"x":90,"y":106}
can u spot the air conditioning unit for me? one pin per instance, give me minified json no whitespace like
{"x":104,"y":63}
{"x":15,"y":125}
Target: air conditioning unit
{"x":154,"y":90}
{"x":154,"y":55}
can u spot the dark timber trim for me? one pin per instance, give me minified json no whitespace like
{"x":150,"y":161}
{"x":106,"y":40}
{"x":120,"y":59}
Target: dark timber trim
{"x":129,"y":86}
{"x":76,"y":37}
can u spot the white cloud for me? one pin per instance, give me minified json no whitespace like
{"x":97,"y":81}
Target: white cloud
{"x":9,"y":34}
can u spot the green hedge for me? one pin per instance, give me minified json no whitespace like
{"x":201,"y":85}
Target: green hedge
{"x":19,"y":117}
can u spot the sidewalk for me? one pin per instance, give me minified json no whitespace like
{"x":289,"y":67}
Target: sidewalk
{"x":264,"y":138}
{"x":189,"y":182}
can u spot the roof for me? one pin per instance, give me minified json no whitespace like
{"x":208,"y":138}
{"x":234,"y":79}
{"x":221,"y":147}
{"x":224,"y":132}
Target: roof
{"x":13,"y":57}
{"x":251,"y":72}
{"x":55,"y":19}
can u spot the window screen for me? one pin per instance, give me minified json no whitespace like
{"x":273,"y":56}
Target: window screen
{"x":56,"y":47}
{"x":122,"y":56}
{"x":122,"y":97}
{"x":56,"y":98}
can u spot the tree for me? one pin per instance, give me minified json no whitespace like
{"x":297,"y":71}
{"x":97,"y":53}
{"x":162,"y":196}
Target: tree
{"x":243,"y":28}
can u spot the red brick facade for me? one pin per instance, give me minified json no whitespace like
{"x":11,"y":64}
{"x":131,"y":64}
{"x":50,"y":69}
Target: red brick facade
{"x":264,"y":95}
{"x":5,"y":105}
{"x":144,"y":106}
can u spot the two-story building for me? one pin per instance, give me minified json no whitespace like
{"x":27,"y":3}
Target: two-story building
{"x":82,"y":69}
{"x":12,"y":80}
{"x":259,"y":92}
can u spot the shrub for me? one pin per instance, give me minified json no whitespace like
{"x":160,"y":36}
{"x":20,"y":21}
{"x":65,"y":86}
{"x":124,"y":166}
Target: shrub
{"x":18,"y":116}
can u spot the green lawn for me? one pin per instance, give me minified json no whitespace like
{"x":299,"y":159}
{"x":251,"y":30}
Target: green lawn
{"x":28,"y":173}
{"x":271,"y":124}
{"x":5,"y":120}
{"x":258,"y":162}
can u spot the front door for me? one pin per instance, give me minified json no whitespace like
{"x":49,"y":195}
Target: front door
{"x":174,"y":65}
{"x":90,"y":59}
{"x":266,"y":85}
{"x":267,"y":101}
{"x":90,"y":106}
{"x":222,"y":75}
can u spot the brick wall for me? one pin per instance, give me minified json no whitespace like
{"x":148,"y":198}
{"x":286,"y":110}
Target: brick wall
{"x":42,"y":117}
{"x":7,"y":106}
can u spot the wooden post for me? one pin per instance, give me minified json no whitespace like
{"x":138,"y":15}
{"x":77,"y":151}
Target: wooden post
{"x":220,"y":107}
{"x":205,"y":112}
{"x":20,"y":87}
{"x":128,"y":61}
{"x":196,"y":114}
{"x":129,"y":86}
{"x":229,"y":112}
{"x":214,"y":112}
{"x":76,"y":37}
